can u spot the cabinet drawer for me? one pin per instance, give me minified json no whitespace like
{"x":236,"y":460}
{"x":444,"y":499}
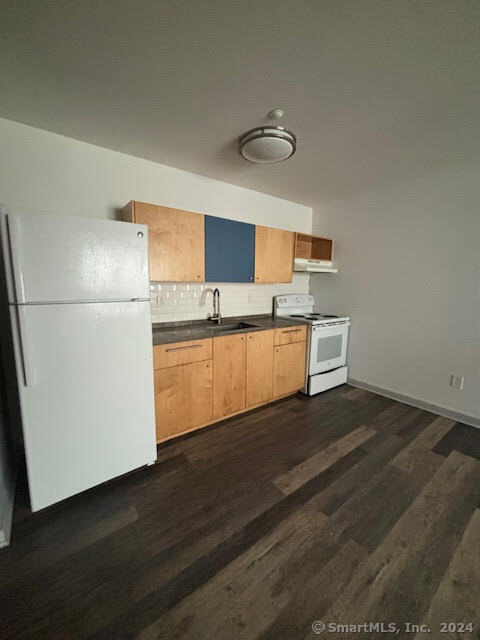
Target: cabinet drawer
{"x":176,"y":353}
{"x":290,"y":334}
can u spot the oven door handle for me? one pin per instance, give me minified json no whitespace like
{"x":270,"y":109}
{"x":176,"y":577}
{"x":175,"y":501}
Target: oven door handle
{"x":336,"y":327}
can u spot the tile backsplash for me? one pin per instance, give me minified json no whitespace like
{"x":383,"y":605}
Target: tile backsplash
{"x":173,"y":301}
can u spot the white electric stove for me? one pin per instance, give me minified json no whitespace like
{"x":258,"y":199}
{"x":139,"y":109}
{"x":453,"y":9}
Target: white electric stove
{"x":327,"y":339}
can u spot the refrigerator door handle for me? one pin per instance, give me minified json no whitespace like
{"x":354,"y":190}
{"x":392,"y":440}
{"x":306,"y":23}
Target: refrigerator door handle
{"x":25,"y":352}
{"x":13,"y":237}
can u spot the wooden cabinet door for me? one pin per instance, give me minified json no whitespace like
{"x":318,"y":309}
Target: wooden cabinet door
{"x":183,"y":398}
{"x":273,"y":255}
{"x":288,"y":368}
{"x":229,"y":360}
{"x":259,"y":367}
{"x":176,"y":242}
{"x":229,"y":250}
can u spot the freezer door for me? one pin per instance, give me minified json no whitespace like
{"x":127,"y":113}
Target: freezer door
{"x":85,"y":375}
{"x":66,"y":258}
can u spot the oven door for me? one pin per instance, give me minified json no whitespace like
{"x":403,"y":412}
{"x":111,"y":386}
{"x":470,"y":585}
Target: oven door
{"x":328,"y":348}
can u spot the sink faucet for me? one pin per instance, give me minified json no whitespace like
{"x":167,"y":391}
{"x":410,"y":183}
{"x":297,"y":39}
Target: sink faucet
{"x":216,"y":315}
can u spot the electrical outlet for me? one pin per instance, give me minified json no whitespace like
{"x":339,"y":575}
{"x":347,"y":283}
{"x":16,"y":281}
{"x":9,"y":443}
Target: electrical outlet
{"x":456,"y":382}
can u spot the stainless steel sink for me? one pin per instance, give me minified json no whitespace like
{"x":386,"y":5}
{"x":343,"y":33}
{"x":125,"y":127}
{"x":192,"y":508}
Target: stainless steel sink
{"x":233,"y":326}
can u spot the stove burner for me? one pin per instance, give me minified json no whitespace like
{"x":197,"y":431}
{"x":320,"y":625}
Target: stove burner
{"x":315,"y":316}
{"x":312,"y":316}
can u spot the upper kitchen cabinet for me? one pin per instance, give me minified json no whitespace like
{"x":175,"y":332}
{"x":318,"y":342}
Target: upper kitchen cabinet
{"x":176,"y":241}
{"x":229,"y":250}
{"x":273,"y":255}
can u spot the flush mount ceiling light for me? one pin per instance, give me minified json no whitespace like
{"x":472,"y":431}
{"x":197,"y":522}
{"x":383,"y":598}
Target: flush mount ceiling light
{"x":264,"y":145}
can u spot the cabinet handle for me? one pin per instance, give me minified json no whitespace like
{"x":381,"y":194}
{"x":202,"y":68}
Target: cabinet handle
{"x":292,"y":331}
{"x":192,"y":346}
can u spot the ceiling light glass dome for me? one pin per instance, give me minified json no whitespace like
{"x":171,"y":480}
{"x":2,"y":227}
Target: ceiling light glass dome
{"x":264,"y":145}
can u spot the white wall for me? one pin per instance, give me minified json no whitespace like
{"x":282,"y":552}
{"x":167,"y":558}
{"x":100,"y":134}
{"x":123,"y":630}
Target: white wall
{"x":42,"y":170}
{"x":409,"y":260}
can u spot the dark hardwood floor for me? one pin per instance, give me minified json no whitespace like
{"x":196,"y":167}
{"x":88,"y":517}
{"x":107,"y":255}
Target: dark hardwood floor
{"x":345,"y":508}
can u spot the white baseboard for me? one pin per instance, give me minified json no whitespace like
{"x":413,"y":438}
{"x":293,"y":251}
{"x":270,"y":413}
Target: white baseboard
{"x":6,"y":512}
{"x":415,"y":402}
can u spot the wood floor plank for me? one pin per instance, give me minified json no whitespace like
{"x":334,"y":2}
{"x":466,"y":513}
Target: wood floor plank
{"x":458,"y":596}
{"x":312,"y":590}
{"x":359,"y":395}
{"x":433,"y":433}
{"x":412,"y":425}
{"x":419,"y":461}
{"x":401,"y":576}
{"x":461,"y":438}
{"x":300,"y":474}
{"x":388,"y":417}
{"x":380,"y":449}
{"x":426,"y":440}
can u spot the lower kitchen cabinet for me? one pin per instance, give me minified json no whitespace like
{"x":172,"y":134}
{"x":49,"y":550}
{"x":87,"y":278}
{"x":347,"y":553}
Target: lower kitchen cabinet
{"x":198,"y":382}
{"x":259,"y":367}
{"x":183,"y":398}
{"x":229,"y":359}
{"x":288,"y":368}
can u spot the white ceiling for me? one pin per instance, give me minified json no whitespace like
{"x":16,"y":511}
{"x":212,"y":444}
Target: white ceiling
{"x":378,"y":92}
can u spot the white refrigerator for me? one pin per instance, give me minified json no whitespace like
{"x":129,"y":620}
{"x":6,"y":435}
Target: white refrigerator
{"x":78,"y":293}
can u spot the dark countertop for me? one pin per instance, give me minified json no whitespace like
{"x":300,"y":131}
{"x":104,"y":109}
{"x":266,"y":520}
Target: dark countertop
{"x":168,"y":332}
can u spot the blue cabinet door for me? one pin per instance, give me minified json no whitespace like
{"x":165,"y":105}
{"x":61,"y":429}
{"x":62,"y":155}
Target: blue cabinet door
{"x":229,"y":250}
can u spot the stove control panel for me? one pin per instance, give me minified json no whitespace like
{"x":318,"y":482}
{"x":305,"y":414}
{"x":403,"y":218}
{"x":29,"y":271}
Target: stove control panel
{"x":294,"y":300}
